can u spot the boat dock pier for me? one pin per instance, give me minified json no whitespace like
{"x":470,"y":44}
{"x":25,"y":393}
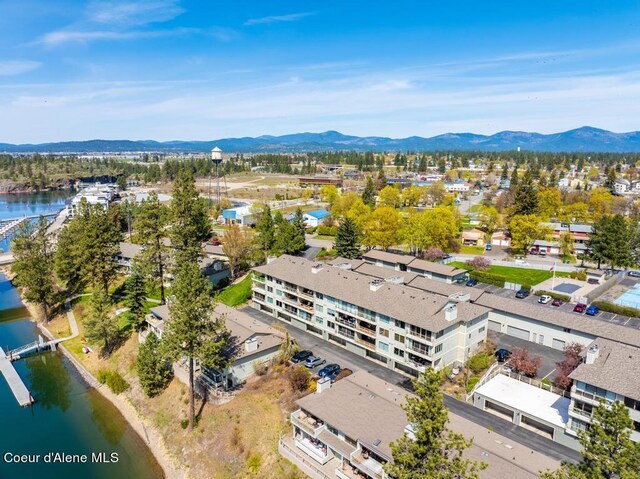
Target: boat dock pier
{"x":19,"y":390}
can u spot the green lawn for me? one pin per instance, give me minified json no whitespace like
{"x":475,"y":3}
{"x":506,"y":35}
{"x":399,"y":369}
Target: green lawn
{"x":236,"y":294}
{"x":517,"y":275}
{"x":325,"y":237}
{"x":464,"y":249}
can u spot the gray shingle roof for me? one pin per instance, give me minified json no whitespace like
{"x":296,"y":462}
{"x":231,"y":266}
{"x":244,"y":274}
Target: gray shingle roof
{"x":412,"y":262}
{"x":615,"y":369}
{"x":396,"y":301}
{"x":129,"y":250}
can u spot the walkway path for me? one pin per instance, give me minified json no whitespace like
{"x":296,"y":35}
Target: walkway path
{"x":14,"y":381}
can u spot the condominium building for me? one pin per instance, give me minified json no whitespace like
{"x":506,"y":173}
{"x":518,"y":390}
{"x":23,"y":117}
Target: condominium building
{"x":609,"y":373}
{"x":385,"y":320}
{"x":402,"y":262}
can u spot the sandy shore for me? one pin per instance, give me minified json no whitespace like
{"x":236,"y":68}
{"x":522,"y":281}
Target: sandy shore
{"x":147,"y":432}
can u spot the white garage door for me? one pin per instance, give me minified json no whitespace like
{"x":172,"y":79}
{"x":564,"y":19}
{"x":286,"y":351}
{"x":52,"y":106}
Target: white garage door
{"x":495,"y":326}
{"x":557,"y":344}
{"x":517,"y":332}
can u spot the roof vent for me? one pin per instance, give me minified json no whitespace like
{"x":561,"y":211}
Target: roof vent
{"x":316,"y":268}
{"x":592,"y":354}
{"x":460,"y":297}
{"x":344,"y":265}
{"x":395,"y":279}
{"x":377,"y":442}
{"x":376,"y":284}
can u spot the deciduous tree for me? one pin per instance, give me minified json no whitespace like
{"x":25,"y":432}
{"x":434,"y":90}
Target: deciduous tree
{"x":525,"y":230}
{"x":236,"y":244}
{"x":382,"y":228}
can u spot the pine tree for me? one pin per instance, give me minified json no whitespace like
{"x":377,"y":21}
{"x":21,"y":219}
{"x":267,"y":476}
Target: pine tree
{"x":100,"y":325}
{"x":348,"y":239}
{"x":525,"y":201}
{"x":33,"y":265}
{"x":192,"y":332}
{"x":369,"y":193}
{"x":505,"y":172}
{"x":153,"y":368}
{"x":610,"y":182}
{"x":136,"y":293}
{"x":610,"y":241}
{"x":189,"y":216}
{"x":514,"y":177}
{"x":265,"y":238}
{"x":434,"y":451}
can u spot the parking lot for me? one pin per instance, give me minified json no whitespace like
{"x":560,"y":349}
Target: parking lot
{"x":566,"y":307}
{"x":548,"y":356}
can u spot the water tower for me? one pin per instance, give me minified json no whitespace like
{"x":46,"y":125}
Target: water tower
{"x":216,"y":159}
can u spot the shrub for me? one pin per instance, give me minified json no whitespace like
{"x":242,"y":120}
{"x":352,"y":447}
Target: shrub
{"x":478,"y":263}
{"x":553,"y":294}
{"x":617,"y":309}
{"x":117,"y":383}
{"x":488,"y":278}
{"x":473,"y":380}
{"x":324,"y":253}
{"x":579,"y":275}
{"x":311,"y":230}
{"x":254,"y":462}
{"x":103,"y":375}
{"x":299,"y":378}
{"x":479,"y":362}
{"x":323,"y":230}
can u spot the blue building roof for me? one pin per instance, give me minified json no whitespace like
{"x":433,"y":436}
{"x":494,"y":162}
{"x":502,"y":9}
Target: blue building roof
{"x":318,"y":214}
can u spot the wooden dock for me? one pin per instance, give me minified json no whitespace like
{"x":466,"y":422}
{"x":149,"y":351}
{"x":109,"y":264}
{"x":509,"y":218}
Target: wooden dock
{"x":19,"y":390}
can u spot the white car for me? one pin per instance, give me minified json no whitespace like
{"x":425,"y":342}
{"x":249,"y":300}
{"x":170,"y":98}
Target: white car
{"x":544,"y":299}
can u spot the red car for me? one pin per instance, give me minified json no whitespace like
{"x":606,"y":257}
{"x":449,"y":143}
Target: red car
{"x":215,"y":241}
{"x":580,"y":308}
{"x":557,"y":302}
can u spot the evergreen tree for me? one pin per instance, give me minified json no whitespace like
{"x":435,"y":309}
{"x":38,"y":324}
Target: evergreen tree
{"x":348,"y":239}
{"x":514,"y":177}
{"x":610,"y":182}
{"x":298,"y":224}
{"x":189,"y":216}
{"x":151,"y":225}
{"x":192,"y":332}
{"x":153,"y":368}
{"x":434,"y":451}
{"x":265,"y":237}
{"x":33,"y":266}
{"x":136,"y":293}
{"x":369,"y":193}
{"x":610,"y":241}
{"x":381,"y":181}
{"x":505,"y":172}
{"x":607,"y":449}
{"x":100,"y":325}
{"x":525,"y":201}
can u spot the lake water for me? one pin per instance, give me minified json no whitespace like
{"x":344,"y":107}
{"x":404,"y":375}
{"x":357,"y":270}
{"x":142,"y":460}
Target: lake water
{"x":68,"y":416}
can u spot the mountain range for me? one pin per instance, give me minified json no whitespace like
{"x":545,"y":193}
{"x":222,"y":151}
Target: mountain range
{"x":585,"y":139}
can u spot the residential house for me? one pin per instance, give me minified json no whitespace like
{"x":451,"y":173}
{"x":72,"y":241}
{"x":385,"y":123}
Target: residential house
{"x":473,"y":237}
{"x":621,"y":186}
{"x":253,"y":344}
{"x":126,"y":254}
{"x":241,"y":215}
{"x":501,"y":238}
{"x":459,"y":186}
{"x":99,"y":194}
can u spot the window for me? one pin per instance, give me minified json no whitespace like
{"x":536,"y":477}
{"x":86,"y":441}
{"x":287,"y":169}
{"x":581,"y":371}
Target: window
{"x":566,"y":330}
{"x":383,"y":332}
{"x":331,"y":300}
{"x":632,"y":404}
{"x":481,"y":330}
{"x":270,"y":289}
{"x":400,"y":324}
{"x":278,"y":281}
{"x":331,"y":325}
{"x":319,"y":320}
{"x":331,"y":312}
{"x":438,"y":349}
{"x":384,"y":318}
{"x":319,"y":295}
{"x":269,"y":299}
{"x":399,"y":338}
{"x":398,"y":352}
{"x":278,"y":292}
{"x":319,"y":308}
{"x":279,"y":304}
{"x":383,"y":346}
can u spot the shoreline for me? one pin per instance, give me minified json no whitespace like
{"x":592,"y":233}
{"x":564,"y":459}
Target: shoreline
{"x":147,"y":433}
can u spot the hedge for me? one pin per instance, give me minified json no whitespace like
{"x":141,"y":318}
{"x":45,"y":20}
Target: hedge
{"x":617,"y":309}
{"x":471,"y":383}
{"x":563,"y":297}
{"x":480,"y":362}
{"x":489,"y":278}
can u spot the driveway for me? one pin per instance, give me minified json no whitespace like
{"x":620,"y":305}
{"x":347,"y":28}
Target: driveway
{"x":549,"y":356}
{"x":310,"y":252}
{"x":336,"y":354}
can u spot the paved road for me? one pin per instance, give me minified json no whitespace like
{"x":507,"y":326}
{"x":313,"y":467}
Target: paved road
{"x":549,"y":356}
{"x":335,"y":354}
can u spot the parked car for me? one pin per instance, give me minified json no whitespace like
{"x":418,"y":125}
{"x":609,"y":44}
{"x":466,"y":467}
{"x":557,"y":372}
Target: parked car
{"x":489,"y":247}
{"x":592,"y":310}
{"x":328,"y":369}
{"x":334,"y":374}
{"x":313,"y":361}
{"x":557,"y":303}
{"x":533,"y":251}
{"x":301,"y":356}
{"x":542,"y":252}
{"x":447,"y":256}
{"x":634,"y":274}
{"x":580,"y":308}
{"x":502,"y":355}
{"x":472,"y":282}
{"x":544,"y":299}
{"x":461,"y":280}
{"x":521,"y":294}
{"x":593,"y":281}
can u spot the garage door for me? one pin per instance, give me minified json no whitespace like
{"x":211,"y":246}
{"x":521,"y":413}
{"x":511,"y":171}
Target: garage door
{"x":494,"y":326}
{"x":497,"y":409}
{"x":518,"y":333}
{"x":557,"y":344}
{"x":537,"y":426}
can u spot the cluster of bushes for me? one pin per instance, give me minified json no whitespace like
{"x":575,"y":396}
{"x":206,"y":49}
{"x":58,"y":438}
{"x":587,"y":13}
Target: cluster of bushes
{"x":617,"y":309}
{"x":325,"y":253}
{"x":479,"y":362}
{"x":489,"y":278}
{"x":323,"y":230}
{"x":579,"y":275}
{"x":553,"y":294}
{"x":471,"y":383}
{"x":113,"y":380}
{"x":478,"y":263}
{"x":299,"y":378}
{"x":311,"y":230}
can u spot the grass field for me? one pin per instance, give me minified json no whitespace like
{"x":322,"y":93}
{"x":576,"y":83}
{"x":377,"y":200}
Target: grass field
{"x":464,"y":249}
{"x":517,"y":275}
{"x":236,"y":294}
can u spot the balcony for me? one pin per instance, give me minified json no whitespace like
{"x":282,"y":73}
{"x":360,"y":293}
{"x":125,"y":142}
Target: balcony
{"x":366,"y":330}
{"x":589,"y":398}
{"x":348,"y":471}
{"x":259,"y":279}
{"x":313,"y":448}
{"x":366,"y":344}
{"x":308,"y":424}
{"x":306,"y":292}
{"x":422,"y":351}
{"x":580,"y":414}
{"x":290,"y":289}
{"x":259,"y":286}
{"x":345,"y":322}
{"x":423,"y":337}
{"x":367,"y":463}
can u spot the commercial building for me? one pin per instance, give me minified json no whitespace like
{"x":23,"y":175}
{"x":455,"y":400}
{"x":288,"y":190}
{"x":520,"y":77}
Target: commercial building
{"x":315,"y":217}
{"x":100,"y":194}
{"x":385,"y":320}
{"x":241,"y":215}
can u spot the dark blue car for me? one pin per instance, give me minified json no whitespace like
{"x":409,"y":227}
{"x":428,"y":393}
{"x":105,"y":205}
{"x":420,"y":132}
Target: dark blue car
{"x":328,"y":370}
{"x":472,"y":282}
{"x":301,"y":356}
{"x":334,"y":374}
{"x":592,"y":310}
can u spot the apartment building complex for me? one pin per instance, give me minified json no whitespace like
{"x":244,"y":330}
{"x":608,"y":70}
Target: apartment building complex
{"x":385,"y":320}
{"x":608,"y":373}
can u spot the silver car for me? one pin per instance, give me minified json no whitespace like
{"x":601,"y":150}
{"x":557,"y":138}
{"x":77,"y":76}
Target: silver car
{"x":313,"y":361}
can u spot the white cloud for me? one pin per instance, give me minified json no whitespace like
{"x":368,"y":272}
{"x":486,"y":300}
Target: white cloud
{"x":133,"y":13}
{"x":70,"y":36}
{"x":292,"y":17}
{"x":16,"y":67}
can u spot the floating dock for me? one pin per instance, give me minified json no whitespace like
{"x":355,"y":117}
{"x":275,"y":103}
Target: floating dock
{"x":19,"y":390}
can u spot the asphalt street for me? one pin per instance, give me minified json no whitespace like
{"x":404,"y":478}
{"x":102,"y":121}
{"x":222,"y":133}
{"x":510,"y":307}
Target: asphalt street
{"x":346,"y":359}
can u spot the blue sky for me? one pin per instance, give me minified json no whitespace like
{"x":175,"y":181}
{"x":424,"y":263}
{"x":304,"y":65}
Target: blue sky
{"x":195,"y":70}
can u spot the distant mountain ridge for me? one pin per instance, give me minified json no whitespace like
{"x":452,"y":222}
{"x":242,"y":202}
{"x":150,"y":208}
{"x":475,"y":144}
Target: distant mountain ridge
{"x":585,"y":139}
